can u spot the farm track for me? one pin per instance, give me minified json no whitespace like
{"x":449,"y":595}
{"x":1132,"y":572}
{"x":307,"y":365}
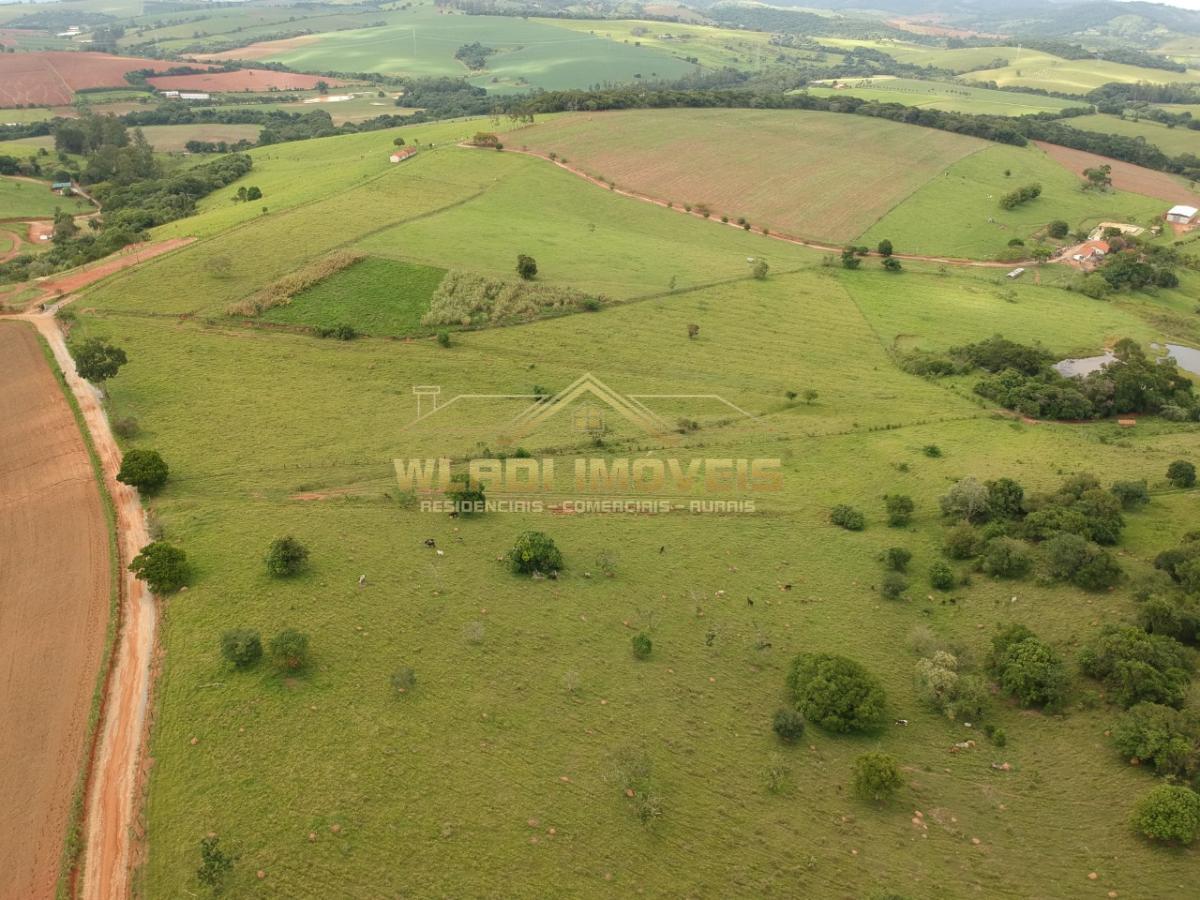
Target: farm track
{"x":777,"y":236}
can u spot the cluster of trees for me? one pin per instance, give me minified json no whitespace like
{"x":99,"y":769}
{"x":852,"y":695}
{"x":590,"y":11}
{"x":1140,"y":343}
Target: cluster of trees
{"x":1023,"y":194}
{"x":474,"y":55}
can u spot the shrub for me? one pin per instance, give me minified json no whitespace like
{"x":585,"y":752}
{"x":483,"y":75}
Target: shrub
{"x":876,"y":777}
{"x":836,"y":693}
{"x":466,"y":495}
{"x":1058,"y":229}
{"x":893,"y":586}
{"x":163,"y":567}
{"x":1005,"y":499}
{"x":940,"y":684}
{"x":241,"y":646}
{"x":941,"y":576}
{"x":526,"y":267}
{"x":642,"y":645}
{"x":289,"y":649}
{"x":403,"y":680}
{"x":443,"y":338}
{"x":884,"y":247}
{"x":1070,"y":557}
{"x":788,"y":724}
{"x":342,"y":332}
{"x":1181,"y":474}
{"x":144,"y":470}
{"x":215,"y":864}
{"x":760,"y":270}
{"x":285,"y":557}
{"x":892,"y":264}
{"x":961,"y":542}
{"x":126,"y":427}
{"x":1132,"y":494}
{"x":1169,"y":813}
{"x":847,"y":517}
{"x":899,"y":509}
{"x":897,"y":558}
{"x":1028,"y":669}
{"x":1138,"y":667}
{"x":966,"y":500}
{"x":535,"y":551}
{"x":933,"y":451}
{"x":1005,"y":557}
{"x":1170,"y":739}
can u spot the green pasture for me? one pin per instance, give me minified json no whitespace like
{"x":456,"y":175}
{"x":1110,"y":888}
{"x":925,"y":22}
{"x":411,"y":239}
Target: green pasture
{"x":943,"y":95}
{"x":20,"y":198}
{"x":1172,"y":141}
{"x":958,"y":212}
{"x":530,"y":54}
{"x":1071,"y":76}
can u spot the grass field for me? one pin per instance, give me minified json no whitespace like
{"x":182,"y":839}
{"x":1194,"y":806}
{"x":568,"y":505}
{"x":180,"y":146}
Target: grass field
{"x":530,"y":54}
{"x":378,"y":296}
{"x":1172,"y":141}
{"x":943,"y":95}
{"x":1072,"y":76}
{"x":20,"y":198}
{"x":501,"y":770}
{"x":840,"y":174}
{"x":958,"y":212}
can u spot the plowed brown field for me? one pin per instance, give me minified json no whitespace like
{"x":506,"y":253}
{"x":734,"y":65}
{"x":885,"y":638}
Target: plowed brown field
{"x":53,"y":76}
{"x":241,"y":80}
{"x":1125,"y":176}
{"x":55,"y":581}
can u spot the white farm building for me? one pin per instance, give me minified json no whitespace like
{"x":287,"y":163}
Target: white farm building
{"x":1182,"y":215}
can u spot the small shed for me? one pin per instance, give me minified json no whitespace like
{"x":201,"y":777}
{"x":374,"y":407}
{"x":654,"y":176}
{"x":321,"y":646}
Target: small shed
{"x":1017,"y":272}
{"x":1182,"y":215}
{"x":60,"y":187}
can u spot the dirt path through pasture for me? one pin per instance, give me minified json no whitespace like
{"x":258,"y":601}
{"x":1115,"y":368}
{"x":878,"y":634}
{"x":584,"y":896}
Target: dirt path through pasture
{"x":774,"y":235}
{"x":110,"y":807}
{"x":55,"y":584}
{"x":134,"y":254}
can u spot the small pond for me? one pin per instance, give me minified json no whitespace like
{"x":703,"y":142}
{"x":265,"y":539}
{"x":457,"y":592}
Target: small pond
{"x":1188,"y":359}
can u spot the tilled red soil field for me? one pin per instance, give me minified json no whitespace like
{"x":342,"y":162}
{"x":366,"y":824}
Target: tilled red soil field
{"x":52,"y":77}
{"x":54,"y":602}
{"x":1125,"y":176}
{"x":241,"y":80}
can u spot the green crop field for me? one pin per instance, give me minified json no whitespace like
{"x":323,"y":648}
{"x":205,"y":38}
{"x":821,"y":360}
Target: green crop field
{"x":1172,"y":141}
{"x":958,"y":213}
{"x":379,"y":296}
{"x":513,"y":744}
{"x":944,"y":95}
{"x":811,"y":174}
{"x":422,"y":42}
{"x":20,"y":198}
{"x":173,"y":138}
{"x":1071,"y":76}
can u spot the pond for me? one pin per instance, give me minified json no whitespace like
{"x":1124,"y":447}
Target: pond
{"x":1070,"y":368}
{"x":1188,"y":358}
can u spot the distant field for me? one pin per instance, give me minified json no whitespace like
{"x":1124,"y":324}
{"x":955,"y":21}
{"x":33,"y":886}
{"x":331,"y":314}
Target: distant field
{"x":173,"y":138}
{"x":1170,"y":189}
{"x":51,"y":78}
{"x":376,"y":296}
{"x":942,"y":95}
{"x":25,"y":198}
{"x":811,"y":174}
{"x":1072,"y":76}
{"x":240,"y":80}
{"x":361,"y":106}
{"x":422,"y":42}
{"x":958,"y":213}
{"x":1172,"y":141}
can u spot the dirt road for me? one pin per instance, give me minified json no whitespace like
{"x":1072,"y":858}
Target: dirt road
{"x":55,"y":581}
{"x":110,"y":805}
{"x":132,"y":255}
{"x":774,"y":235}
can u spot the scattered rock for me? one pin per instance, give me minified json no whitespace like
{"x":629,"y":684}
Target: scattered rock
{"x":336,"y":829}
{"x":195,"y":741}
{"x":533,"y":823}
{"x":260,"y":874}
{"x":1092,"y":876}
{"x":976,"y":841}
{"x":312,"y":837}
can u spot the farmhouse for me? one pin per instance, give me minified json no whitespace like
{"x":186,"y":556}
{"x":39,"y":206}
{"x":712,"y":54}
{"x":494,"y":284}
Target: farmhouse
{"x":1090,"y":252}
{"x":1182,"y":215}
{"x":403,"y":154}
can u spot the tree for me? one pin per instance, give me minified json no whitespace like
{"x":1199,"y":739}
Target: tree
{"x":1181,"y":474}
{"x":1137,"y":667}
{"x":398,"y":142}
{"x":876,"y":777}
{"x":885,"y":247}
{"x":1169,"y":813}
{"x":468,"y":496}
{"x":1098,"y":178}
{"x":894,"y":585}
{"x":144,"y":470}
{"x":1005,"y":557}
{"x":163,"y":567}
{"x":97,"y":360}
{"x":1168,"y":738}
{"x":535,"y":551}
{"x":253,"y":193}
{"x":1027,"y":668}
{"x":836,"y":693}
{"x":1132,"y":494}
{"x":788,"y":724}
{"x":961,"y":542}
{"x":899,"y":509}
{"x":966,"y":500}
{"x":941,"y":576}
{"x":1058,"y":229}
{"x":940,"y":684}
{"x":241,"y":646}
{"x":892,"y":264}
{"x":285,"y":557}
{"x":1005,"y":499}
{"x":642,"y":645}
{"x":850,"y":259}
{"x":897,"y":558}
{"x":215,"y":864}
{"x":810,"y":396}
{"x":760,"y":270}
{"x":289,"y":649}
{"x":847,"y":517}
{"x":526,"y":267}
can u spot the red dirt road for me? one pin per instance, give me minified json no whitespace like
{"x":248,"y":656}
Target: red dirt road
{"x":1125,"y":176}
{"x":52,"y":77}
{"x":93,"y":272}
{"x":55,"y":585}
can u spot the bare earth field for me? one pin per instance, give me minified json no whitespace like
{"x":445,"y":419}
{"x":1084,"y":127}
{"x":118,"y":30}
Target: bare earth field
{"x":53,"y":77}
{"x":1125,"y":176}
{"x":811,"y":174}
{"x":54,"y":584}
{"x":241,"y":80}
